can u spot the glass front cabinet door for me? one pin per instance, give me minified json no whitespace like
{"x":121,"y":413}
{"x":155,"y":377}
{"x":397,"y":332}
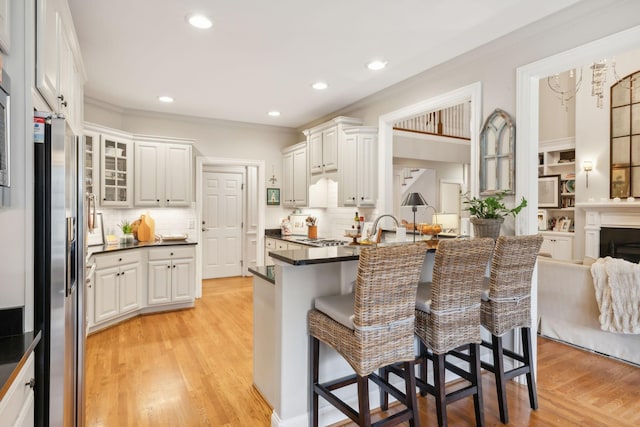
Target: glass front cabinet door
{"x":116,"y":177}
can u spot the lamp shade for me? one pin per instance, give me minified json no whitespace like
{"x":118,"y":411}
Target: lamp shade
{"x":414,"y":199}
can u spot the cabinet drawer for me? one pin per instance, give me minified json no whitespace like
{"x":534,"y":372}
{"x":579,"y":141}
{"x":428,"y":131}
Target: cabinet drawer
{"x":118,"y":258}
{"x":171,"y":252}
{"x":270,"y":243}
{"x":18,"y":393}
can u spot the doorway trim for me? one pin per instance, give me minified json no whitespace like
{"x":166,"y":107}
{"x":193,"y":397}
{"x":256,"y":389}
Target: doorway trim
{"x":261,"y":194}
{"x":471,"y":92}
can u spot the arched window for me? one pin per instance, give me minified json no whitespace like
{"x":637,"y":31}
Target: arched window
{"x":497,"y":160}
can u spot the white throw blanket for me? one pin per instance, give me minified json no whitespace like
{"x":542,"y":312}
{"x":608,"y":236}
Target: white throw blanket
{"x":617,"y":286}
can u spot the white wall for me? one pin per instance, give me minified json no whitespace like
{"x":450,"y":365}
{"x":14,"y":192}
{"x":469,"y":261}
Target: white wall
{"x":558,"y":121}
{"x":16,"y":218}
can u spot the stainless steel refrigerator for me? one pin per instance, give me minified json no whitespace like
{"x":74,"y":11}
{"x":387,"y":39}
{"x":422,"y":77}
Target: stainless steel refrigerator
{"x":58,"y":273}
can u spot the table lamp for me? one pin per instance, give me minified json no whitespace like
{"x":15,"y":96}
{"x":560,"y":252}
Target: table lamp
{"x":414,"y":200}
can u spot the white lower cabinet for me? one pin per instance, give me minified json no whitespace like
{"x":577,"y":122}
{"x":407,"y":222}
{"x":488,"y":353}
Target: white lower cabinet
{"x":171,"y":275}
{"x":17,"y":405}
{"x":139,"y":280}
{"x":559,"y":246}
{"x":117,"y":285}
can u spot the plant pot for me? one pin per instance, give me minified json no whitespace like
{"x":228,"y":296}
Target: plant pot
{"x":312,"y":232}
{"x":487,"y":227}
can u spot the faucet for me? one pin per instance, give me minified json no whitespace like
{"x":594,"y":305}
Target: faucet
{"x":374,"y":228}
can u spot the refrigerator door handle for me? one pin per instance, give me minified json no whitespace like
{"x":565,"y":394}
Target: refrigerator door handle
{"x":71,"y":255}
{"x":91,"y":212}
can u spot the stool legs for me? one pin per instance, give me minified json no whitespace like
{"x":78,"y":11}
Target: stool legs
{"x":439,"y":384}
{"x":503,"y":376}
{"x":476,"y":378}
{"x":501,"y":381}
{"x":314,"y":354}
{"x":528,"y":355}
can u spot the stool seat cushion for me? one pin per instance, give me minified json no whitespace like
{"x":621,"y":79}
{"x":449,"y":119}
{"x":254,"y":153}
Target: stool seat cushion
{"x":338,"y":307}
{"x":423,"y":297}
{"x":485,"y":289}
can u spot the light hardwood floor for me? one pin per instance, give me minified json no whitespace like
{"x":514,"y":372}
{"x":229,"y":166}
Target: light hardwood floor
{"x":194,"y":368}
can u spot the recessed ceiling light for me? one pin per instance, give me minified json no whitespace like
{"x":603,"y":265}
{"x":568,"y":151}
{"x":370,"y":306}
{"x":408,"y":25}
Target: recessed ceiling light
{"x":274,"y":113}
{"x":165,"y":98}
{"x":199,"y":21}
{"x":319,"y":85}
{"x":376,"y":65}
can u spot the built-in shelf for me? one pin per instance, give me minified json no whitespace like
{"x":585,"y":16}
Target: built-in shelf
{"x":554,"y":165}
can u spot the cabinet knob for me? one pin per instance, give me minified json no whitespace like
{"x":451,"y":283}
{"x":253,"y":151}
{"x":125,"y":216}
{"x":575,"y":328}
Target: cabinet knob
{"x":168,"y":266}
{"x":61,"y":97}
{"x":31,"y":383}
{"x":119,"y":259}
{"x":362,"y":198}
{"x":104,"y":199}
{"x":167,"y":200}
{"x":174,"y":266}
{"x":171,"y":253}
{"x":158,"y":200}
{"x":63,"y":103}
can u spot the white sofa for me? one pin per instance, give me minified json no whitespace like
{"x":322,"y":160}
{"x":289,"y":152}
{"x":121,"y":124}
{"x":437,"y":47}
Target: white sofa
{"x":568,"y":311}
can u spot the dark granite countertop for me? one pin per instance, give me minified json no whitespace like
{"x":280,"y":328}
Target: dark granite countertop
{"x":135,"y":245}
{"x":14,"y":352}
{"x":266,"y":272}
{"x":312,"y":255}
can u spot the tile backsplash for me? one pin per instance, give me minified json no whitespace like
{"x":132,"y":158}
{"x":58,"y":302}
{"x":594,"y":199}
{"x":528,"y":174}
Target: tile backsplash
{"x":168,"y":220}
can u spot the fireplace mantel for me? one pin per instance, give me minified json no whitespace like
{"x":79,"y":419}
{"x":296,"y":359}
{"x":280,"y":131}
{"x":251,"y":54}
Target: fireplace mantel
{"x":621,"y":214}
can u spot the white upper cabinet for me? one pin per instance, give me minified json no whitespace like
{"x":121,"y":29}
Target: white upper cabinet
{"x":294,"y":175}
{"x":59,"y":67}
{"x":163,"y":173}
{"x":324,"y":144}
{"x":358,"y":178}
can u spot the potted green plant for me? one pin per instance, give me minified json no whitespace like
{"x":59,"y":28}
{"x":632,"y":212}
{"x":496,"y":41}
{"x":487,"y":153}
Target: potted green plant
{"x":127,"y":231}
{"x":487,"y":215}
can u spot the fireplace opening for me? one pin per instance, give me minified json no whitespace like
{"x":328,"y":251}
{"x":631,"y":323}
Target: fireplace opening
{"x":620,"y":243}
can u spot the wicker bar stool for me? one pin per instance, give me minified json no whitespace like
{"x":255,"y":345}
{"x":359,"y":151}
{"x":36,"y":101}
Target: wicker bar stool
{"x":506,"y":306}
{"x":448,"y":318}
{"x":371,"y":328}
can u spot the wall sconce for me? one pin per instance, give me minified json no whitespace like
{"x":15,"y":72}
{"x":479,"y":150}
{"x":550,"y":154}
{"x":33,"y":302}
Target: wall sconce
{"x":587,"y":166}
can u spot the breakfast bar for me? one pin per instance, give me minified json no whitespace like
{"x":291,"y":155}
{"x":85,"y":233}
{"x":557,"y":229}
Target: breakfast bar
{"x":282,"y":299}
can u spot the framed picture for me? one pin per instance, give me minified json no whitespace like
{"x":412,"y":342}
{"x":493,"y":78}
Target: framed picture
{"x":549,"y":191}
{"x":542,"y":220}
{"x":565,"y":224}
{"x":96,"y":237}
{"x":273,"y":196}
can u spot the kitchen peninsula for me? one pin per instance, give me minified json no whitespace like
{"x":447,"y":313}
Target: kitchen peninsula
{"x":283,"y":295}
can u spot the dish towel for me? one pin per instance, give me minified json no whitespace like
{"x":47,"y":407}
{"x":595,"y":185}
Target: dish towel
{"x":617,"y":286}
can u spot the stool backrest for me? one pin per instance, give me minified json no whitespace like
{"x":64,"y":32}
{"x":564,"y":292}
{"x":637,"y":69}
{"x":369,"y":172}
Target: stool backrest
{"x":512,"y":265}
{"x":385,"y":298}
{"x":458,"y":273}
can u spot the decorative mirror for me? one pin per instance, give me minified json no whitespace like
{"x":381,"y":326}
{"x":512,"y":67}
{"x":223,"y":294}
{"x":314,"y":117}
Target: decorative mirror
{"x":625,"y":137}
{"x":497,"y":160}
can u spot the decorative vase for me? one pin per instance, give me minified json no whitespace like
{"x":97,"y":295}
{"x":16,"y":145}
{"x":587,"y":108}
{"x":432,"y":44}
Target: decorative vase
{"x":312,"y":232}
{"x":487,"y":227}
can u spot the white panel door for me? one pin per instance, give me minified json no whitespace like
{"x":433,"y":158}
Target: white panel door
{"x":222,"y":225}
{"x":148,"y":172}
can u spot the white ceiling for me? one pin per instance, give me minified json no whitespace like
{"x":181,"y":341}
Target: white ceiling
{"x":263,"y":55}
